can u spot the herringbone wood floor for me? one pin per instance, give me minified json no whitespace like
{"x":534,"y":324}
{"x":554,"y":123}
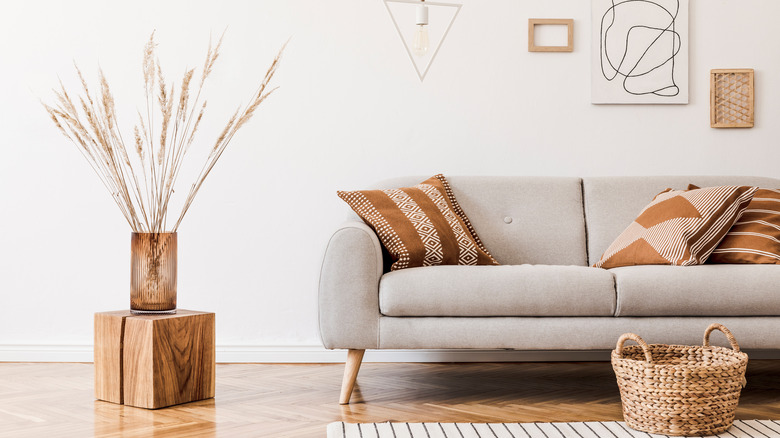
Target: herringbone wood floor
{"x":56,"y":400}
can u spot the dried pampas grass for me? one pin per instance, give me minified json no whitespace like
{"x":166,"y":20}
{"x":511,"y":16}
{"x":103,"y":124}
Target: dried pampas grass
{"x":91,"y":125}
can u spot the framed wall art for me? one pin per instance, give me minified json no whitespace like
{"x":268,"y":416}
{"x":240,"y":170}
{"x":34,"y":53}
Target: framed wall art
{"x":731,"y":98}
{"x":566,"y":46}
{"x":639,"y":52}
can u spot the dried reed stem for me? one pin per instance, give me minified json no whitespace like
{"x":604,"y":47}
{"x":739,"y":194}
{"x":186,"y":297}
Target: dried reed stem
{"x":234,"y":124}
{"x":92,"y":126}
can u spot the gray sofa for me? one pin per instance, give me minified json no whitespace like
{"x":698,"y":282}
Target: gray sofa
{"x":545,"y":232}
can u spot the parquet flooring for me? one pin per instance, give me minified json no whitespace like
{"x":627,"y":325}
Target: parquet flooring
{"x":277,"y":400}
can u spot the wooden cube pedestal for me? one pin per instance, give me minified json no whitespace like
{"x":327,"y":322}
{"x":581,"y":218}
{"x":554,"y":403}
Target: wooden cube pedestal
{"x":154,"y":361}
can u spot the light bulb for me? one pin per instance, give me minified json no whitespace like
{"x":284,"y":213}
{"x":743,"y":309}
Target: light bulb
{"x":420,"y":42}
{"x":420,"y":39}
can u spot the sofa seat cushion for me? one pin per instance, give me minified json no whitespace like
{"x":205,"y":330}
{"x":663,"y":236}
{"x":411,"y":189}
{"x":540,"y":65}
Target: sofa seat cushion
{"x":704,"y":290}
{"x":519,"y":290}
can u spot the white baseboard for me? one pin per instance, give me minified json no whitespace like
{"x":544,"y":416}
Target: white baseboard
{"x":318,"y":354}
{"x":46,"y":353}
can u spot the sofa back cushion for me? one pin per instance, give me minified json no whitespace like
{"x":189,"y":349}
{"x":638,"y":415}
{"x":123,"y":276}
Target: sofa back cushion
{"x":536,"y":220}
{"x":612,"y":203}
{"x":679,"y":227}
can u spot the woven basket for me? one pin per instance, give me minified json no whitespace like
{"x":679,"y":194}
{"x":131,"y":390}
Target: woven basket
{"x":678,"y":389}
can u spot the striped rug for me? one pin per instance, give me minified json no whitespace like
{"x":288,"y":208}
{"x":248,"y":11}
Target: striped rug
{"x":610,"y":429}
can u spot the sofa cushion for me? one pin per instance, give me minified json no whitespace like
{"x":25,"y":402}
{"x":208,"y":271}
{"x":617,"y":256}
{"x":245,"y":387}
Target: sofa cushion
{"x":520,"y":290}
{"x":522,"y":219}
{"x":755,"y":237}
{"x":421,"y":225}
{"x":566,"y":333}
{"x":613,"y":202}
{"x":679,"y":227}
{"x":704,"y":290}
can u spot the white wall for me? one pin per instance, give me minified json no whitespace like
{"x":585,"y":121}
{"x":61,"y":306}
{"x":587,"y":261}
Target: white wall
{"x":350,"y":111}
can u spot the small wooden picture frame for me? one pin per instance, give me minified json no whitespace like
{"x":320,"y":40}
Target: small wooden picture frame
{"x":731,"y":98}
{"x":568,"y":22}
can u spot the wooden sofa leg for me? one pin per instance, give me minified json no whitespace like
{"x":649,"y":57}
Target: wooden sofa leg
{"x":351,"y":368}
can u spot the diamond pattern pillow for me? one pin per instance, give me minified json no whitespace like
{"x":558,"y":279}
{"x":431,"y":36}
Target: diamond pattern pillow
{"x":421,"y":225}
{"x":679,"y":227}
{"x":755,"y":237}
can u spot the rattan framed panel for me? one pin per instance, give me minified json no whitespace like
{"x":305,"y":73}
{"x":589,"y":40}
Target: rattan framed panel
{"x":732,"y":98}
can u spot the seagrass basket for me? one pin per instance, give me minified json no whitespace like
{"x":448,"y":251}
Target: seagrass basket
{"x":678,"y":389}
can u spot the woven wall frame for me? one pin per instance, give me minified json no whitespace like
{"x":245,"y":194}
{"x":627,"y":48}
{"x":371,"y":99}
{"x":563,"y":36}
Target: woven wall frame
{"x":731,"y":98}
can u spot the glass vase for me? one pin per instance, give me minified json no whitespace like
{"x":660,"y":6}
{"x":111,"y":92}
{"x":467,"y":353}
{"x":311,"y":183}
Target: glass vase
{"x":153,"y":273}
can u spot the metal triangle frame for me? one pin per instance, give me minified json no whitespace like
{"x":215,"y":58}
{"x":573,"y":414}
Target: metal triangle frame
{"x":422,"y":74}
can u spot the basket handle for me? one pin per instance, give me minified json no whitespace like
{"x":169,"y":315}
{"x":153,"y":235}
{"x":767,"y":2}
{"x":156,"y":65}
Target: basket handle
{"x":725,"y":331}
{"x":638,"y":340}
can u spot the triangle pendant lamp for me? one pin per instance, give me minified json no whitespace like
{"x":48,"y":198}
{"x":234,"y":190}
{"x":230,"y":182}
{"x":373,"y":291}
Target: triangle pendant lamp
{"x":422,"y":26}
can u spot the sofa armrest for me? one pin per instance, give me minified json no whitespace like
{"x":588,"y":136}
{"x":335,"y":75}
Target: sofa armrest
{"x":349,"y":288}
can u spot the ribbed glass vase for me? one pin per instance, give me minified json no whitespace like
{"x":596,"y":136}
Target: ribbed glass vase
{"x":153,"y":273}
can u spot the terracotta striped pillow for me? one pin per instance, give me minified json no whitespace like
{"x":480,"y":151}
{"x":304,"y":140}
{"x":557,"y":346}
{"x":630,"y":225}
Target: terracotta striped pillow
{"x":755,"y":237}
{"x":421,"y":225}
{"x":679,"y":227}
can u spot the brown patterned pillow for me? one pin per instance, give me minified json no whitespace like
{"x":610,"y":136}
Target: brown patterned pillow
{"x":679,"y":227}
{"x":755,"y":236}
{"x":421,"y":225}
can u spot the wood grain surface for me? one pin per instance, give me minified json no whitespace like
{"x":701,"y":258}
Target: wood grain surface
{"x":278,"y":400}
{"x":351,"y":369}
{"x":163,"y":360}
{"x":109,"y":328}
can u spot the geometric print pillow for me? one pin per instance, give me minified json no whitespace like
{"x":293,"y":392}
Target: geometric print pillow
{"x":421,"y":225}
{"x":679,"y":227}
{"x":755,"y":237}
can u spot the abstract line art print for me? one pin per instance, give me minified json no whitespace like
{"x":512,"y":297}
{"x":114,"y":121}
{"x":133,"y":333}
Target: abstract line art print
{"x":639,"y":51}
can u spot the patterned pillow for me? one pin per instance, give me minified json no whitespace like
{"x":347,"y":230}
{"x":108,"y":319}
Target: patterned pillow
{"x":679,"y":227}
{"x":755,"y":237}
{"x":421,"y":225}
